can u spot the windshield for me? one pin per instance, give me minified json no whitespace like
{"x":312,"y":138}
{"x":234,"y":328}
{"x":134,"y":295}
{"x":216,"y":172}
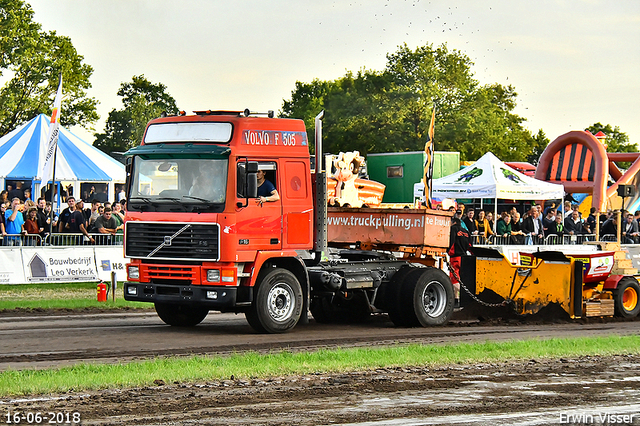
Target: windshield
{"x":179,"y":182}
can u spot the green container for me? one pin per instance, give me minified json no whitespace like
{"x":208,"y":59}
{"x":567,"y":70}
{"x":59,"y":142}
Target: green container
{"x":399,"y":171}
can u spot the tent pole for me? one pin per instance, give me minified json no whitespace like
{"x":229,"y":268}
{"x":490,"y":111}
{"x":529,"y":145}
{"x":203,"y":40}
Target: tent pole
{"x":54,"y":189}
{"x":111,"y":191}
{"x":495,"y":215}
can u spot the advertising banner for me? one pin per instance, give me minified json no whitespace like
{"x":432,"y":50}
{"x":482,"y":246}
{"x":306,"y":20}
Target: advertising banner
{"x":59,"y":264}
{"x":23,"y":265}
{"x":11,"y":271}
{"x":110,"y":259}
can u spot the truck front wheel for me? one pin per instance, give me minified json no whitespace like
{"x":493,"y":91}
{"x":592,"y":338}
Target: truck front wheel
{"x":626,"y":298}
{"x":277,"y":304}
{"x":181,"y":315}
{"x":427,"y":298}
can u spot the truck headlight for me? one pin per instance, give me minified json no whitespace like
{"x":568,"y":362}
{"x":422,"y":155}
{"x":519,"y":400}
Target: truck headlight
{"x":132,"y":290}
{"x":134,"y":272}
{"x":213,"y":275}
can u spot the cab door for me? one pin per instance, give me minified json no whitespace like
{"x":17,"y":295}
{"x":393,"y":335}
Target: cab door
{"x":259,"y":225}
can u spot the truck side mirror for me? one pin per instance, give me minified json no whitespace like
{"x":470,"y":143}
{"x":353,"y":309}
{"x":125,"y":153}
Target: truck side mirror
{"x":247,"y":181}
{"x":252,"y":179}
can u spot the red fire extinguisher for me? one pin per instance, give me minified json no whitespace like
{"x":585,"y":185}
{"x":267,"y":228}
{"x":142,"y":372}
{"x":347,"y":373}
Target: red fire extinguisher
{"x":102,"y":292}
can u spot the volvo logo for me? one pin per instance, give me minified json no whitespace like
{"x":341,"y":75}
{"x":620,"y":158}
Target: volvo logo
{"x":166,"y":241}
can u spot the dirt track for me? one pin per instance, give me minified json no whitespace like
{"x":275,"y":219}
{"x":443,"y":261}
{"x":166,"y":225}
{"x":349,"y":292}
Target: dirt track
{"x":536,"y":392}
{"x":533,"y":392}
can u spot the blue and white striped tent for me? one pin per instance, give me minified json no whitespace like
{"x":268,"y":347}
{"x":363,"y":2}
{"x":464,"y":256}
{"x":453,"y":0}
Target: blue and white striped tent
{"x":22,"y":153}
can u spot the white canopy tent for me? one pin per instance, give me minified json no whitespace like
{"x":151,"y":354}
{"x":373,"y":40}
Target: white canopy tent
{"x":491,"y":178}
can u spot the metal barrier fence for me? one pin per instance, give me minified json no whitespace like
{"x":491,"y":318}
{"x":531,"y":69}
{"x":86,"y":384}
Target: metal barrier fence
{"x":110,"y":240}
{"x":500,"y":240}
{"x":12,"y":240}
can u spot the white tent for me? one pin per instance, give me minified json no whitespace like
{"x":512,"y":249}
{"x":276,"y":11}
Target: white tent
{"x":491,"y":178}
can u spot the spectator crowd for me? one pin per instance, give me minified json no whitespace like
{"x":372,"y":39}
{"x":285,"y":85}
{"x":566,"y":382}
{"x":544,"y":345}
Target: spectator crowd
{"x":24,"y":221}
{"x":548,"y":226}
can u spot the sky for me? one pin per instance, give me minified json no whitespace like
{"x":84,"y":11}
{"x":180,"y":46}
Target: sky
{"x":572,"y":62}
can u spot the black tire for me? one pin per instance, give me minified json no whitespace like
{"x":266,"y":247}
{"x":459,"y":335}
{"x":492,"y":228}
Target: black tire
{"x":427,"y":298}
{"x":626,"y":297}
{"x":179,"y":315}
{"x":277,"y":304}
{"x":397,"y":313}
{"x":321,"y":309}
{"x":327,"y":309}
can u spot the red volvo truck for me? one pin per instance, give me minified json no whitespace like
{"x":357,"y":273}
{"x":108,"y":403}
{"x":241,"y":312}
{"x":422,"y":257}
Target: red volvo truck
{"x":199,"y":239}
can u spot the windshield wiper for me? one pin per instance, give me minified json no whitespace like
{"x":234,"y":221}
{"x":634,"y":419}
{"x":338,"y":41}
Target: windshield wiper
{"x":207,"y":204}
{"x":145,"y":199}
{"x":204,"y":200}
{"x":175,"y":200}
{"x":142,"y":207}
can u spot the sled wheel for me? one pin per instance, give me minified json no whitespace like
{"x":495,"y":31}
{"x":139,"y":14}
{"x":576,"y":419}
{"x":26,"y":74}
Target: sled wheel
{"x":427,"y":298}
{"x":277,"y":304}
{"x":180,"y":315}
{"x":626,"y":298}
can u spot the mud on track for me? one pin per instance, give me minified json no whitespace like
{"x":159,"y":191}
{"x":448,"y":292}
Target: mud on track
{"x":531,"y":392}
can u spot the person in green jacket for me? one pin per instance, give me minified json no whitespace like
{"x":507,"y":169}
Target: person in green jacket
{"x":503,"y":226}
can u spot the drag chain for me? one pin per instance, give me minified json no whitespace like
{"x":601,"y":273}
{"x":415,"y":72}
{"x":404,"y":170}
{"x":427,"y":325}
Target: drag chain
{"x":473,"y":296}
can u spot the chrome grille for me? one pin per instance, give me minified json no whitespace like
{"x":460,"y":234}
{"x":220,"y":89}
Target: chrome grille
{"x":161,"y":240}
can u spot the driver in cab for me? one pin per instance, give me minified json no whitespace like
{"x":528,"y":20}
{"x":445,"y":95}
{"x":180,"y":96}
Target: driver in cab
{"x":267,"y":192}
{"x":204,"y":187}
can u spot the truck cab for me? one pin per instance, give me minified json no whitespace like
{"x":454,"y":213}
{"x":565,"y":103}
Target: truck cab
{"x":196,"y":234}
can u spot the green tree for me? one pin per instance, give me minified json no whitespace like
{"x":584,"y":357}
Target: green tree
{"x":616,"y":140}
{"x":142,"y":101}
{"x":33,"y":60}
{"x":390,"y":110}
{"x":540,"y":142}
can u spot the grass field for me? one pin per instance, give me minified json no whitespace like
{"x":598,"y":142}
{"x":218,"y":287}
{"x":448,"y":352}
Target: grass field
{"x":254,"y":365}
{"x":60,"y":296}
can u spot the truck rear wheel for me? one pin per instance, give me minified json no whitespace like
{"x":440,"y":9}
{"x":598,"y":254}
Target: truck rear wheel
{"x":397,"y":313}
{"x":626,"y":298}
{"x":277,"y":304}
{"x":427,"y":298}
{"x":180,"y":315}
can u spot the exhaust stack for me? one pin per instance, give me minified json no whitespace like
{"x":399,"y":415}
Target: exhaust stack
{"x":320,"y":212}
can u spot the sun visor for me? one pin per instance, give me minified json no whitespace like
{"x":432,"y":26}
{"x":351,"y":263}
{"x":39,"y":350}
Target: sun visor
{"x":188,"y":150}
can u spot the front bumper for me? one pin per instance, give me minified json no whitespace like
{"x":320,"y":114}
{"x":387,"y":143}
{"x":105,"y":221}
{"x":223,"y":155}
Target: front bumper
{"x":214,"y":297}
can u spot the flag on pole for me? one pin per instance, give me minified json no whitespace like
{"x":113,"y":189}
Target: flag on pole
{"x":52,"y":138}
{"x":428,"y":164}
